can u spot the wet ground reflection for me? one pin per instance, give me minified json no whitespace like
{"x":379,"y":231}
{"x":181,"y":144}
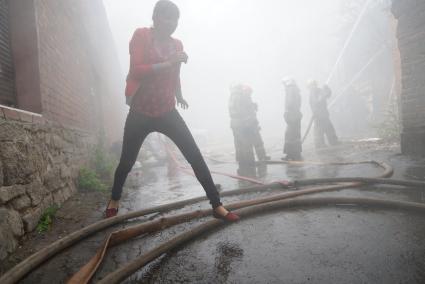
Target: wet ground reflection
{"x":326,"y":245}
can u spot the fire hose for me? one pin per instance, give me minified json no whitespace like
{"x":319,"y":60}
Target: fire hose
{"x":20,"y":270}
{"x":120,"y":274}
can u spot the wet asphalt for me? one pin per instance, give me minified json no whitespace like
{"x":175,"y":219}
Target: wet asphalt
{"x":335,"y":244}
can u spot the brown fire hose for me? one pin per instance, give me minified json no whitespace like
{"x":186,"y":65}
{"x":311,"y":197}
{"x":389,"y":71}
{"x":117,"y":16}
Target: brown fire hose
{"x":20,"y":270}
{"x":122,"y":273}
{"x":87,"y":271}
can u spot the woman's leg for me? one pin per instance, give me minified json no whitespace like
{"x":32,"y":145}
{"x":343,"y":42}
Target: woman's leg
{"x":173,"y":126}
{"x":137,"y":127}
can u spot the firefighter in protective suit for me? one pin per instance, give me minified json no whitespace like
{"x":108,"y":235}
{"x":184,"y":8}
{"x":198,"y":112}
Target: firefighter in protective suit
{"x":245,"y":126}
{"x":293,"y":146}
{"x":322,"y":123}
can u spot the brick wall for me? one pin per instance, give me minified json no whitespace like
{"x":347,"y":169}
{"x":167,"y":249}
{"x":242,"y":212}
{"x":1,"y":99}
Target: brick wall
{"x":66,"y":76}
{"x":109,"y":76}
{"x":410,"y":15}
{"x":81,"y":83}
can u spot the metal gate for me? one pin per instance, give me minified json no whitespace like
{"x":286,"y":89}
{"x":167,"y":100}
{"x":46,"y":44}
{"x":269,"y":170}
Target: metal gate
{"x":7,"y":74}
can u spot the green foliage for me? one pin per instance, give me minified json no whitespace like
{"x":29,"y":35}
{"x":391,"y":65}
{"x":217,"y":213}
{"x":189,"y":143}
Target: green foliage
{"x":104,"y":164}
{"x":100,"y":173}
{"x":47,"y":219}
{"x":88,"y":180}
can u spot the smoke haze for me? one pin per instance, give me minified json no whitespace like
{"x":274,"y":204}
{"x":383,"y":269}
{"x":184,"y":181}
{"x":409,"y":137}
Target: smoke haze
{"x":253,"y":42}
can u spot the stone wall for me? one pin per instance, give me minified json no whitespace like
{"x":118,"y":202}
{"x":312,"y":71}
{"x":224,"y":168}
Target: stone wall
{"x":39,"y":165}
{"x":410,"y":15}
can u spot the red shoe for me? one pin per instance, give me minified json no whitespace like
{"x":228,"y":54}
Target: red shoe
{"x":229,"y":217}
{"x":110,"y":212}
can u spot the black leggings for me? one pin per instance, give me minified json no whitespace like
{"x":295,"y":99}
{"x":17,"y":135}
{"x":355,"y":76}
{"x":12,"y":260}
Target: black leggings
{"x":138,"y":126}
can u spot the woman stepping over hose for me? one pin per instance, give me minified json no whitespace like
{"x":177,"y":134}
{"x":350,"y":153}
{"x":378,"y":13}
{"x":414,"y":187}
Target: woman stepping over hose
{"x":153,"y":86}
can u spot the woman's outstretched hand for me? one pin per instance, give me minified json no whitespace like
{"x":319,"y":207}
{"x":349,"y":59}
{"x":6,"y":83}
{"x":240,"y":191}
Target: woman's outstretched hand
{"x":182,"y":103}
{"x":178,"y":57}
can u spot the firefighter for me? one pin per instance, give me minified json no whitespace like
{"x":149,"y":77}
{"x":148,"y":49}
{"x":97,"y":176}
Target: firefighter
{"x":245,"y":126}
{"x":292,"y":147}
{"x":322,"y":123}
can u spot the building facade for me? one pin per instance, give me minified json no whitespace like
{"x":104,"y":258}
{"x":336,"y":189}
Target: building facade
{"x":410,"y":16}
{"x":61,"y":89}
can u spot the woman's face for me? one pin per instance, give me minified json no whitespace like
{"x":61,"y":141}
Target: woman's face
{"x":165,"y":23}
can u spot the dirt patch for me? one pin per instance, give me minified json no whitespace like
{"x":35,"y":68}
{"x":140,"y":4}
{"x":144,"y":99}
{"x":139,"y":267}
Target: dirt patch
{"x":80,"y":210}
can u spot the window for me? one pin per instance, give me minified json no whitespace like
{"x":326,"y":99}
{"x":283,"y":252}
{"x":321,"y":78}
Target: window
{"x":7,"y":74}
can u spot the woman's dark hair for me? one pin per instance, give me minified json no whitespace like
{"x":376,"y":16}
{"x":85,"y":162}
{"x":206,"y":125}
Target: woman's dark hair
{"x":165,"y":7}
